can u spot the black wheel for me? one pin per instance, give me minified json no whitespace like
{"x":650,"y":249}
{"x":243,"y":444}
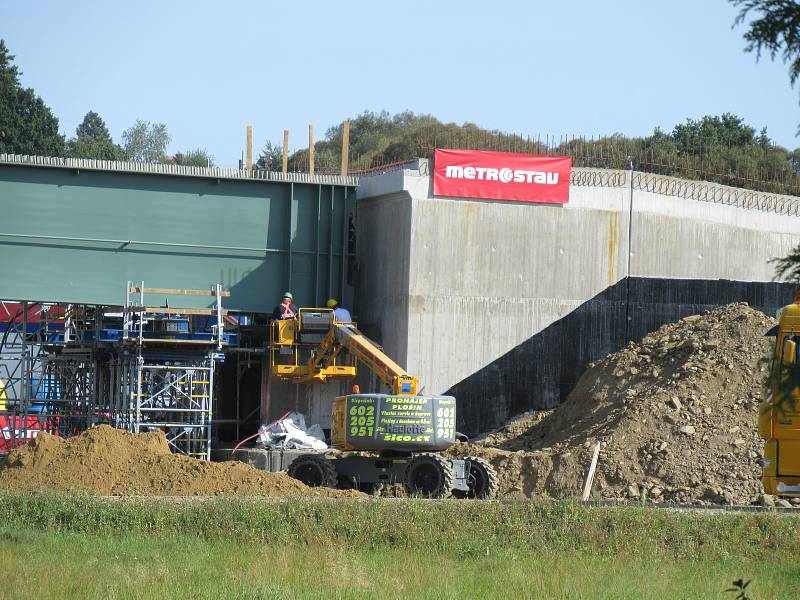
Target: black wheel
{"x":314,"y":470}
{"x":482,"y":478}
{"x":429,"y":476}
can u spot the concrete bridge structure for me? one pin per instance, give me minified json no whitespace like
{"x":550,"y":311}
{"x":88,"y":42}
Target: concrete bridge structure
{"x":504,"y":304}
{"x":501,"y":304}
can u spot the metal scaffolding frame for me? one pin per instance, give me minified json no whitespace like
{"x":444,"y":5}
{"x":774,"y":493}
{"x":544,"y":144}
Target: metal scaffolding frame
{"x":26,"y":374}
{"x":69,"y":390}
{"x":68,"y":370}
{"x":176,"y":398}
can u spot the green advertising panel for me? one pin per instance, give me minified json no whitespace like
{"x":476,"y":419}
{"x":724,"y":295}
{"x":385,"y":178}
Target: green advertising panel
{"x":381,"y":421}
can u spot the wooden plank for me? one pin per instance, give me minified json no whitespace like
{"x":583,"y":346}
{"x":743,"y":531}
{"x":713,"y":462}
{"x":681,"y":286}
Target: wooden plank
{"x":285,"y":150}
{"x":587,"y":486}
{"x":249,"y":148}
{"x":311,"y":149}
{"x":147,"y":341}
{"x":345,"y":147}
{"x":176,"y":311}
{"x":177,"y":292}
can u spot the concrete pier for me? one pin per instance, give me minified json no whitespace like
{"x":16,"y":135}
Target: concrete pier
{"x":504,"y":304}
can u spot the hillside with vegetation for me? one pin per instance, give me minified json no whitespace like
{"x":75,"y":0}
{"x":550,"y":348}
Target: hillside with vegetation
{"x":715,"y":148}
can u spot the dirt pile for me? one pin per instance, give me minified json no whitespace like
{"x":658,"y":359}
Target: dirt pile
{"x":676,"y":416}
{"x":112,"y":462}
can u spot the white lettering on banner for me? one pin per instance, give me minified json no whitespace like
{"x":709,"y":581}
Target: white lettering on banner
{"x":504,"y":175}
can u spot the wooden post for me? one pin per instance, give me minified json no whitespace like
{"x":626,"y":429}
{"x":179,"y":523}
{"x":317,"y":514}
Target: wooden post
{"x":285,"y":150}
{"x":311,"y":149}
{"x":345,"y":147}
{"x":249,"y":148}
{"x":587,"y":486}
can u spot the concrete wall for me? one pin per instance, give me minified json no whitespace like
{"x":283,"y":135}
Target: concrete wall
{"x":488,"y":280}
{"x":675,"y":236}
{"x":384,"y":238}
{"x":485,"y":275}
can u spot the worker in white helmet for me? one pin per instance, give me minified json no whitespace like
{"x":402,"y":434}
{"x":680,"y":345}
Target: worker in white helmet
{"x":341,"y":315}
{"x":286,"y":309}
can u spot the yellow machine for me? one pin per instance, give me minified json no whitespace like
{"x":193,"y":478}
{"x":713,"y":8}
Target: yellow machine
{"x":779,"y":416}
{"x":403,"y":429}
{"x":314,"y":343}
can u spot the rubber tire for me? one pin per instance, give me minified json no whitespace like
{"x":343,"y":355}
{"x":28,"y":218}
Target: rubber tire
{"x":429,"y":476}
{"x":314,"y":470}
{"x":482,"y":479}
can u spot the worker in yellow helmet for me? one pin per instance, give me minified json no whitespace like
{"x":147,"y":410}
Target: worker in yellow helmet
{"x":341,"y":315}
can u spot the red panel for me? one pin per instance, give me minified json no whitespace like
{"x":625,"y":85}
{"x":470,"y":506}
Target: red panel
{"x":10,"y":430}
{"x":12,"y":311}
{"x":502,"y":176}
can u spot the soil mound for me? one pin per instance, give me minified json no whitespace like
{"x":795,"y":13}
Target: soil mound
{"x":676,"y":416}
{"x":111,"y":462}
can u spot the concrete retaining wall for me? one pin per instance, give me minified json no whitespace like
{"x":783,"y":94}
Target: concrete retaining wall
{"x":486,"y":280}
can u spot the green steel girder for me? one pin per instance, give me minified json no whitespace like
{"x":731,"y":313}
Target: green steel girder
{"x":77,"y":235}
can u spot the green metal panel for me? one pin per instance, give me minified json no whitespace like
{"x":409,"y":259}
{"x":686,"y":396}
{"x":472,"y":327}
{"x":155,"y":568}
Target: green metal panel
{"x":76,"y":235}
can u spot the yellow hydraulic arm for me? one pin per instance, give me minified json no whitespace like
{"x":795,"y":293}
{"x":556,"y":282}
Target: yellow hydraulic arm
{"x":322,"y":364}
{"x":344,"y":335}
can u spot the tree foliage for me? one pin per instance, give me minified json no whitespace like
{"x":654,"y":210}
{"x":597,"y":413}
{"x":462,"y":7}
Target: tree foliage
{"x":194,"y":158}
{"x":27,"y":126}
{"x":271,"y":157}
{"x":715,"y":148}
{"x":788,"y":267}
{"x":93,"y":127}
{"x":775,"y":31}
{"x":92,"y":140}
{"x":146,"y":142}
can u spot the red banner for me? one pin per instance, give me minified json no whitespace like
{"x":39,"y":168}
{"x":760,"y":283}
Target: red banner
{"x":11,"y":430}
{"x":502,"y":176}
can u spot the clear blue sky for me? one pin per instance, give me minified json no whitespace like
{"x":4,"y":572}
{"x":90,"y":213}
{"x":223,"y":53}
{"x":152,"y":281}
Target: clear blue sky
{"x":207,"y":69}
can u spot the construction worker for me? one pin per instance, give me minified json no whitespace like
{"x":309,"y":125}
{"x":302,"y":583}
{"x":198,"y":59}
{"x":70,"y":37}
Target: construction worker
{"x":286,"y":309}
{"x":342,"y":315}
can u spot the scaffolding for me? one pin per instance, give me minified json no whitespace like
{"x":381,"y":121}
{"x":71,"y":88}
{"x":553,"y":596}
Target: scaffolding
{"x":28,"y":403}
{"x":66,"y":368}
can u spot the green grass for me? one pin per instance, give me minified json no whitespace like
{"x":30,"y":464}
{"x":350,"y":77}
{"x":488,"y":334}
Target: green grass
{"x":82,"y":547}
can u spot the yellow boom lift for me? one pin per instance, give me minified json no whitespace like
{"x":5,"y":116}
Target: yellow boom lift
{"x":779,"y":416}
{"x":398,"y":435}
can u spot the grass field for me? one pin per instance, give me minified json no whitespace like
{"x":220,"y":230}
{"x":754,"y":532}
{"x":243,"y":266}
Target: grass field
{"x":81,"y":547}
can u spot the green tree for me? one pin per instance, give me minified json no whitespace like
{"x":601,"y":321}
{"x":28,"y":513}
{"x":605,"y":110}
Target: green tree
{"x":146,"y":142}
{"x":788,"y":267}
{"x":194,"y":158}
{"x":271,"y":157}
{"x":775,"y":31}
{"x":92,"y":140}
{"x":27,"y":126}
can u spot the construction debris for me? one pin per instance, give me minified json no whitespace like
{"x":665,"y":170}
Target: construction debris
{"x":111,"y":462}
{"x":291,"y":433}
{"x":676,"y":417}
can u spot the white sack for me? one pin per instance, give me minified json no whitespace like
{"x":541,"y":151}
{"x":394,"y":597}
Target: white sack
{"x":290,"y":433}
